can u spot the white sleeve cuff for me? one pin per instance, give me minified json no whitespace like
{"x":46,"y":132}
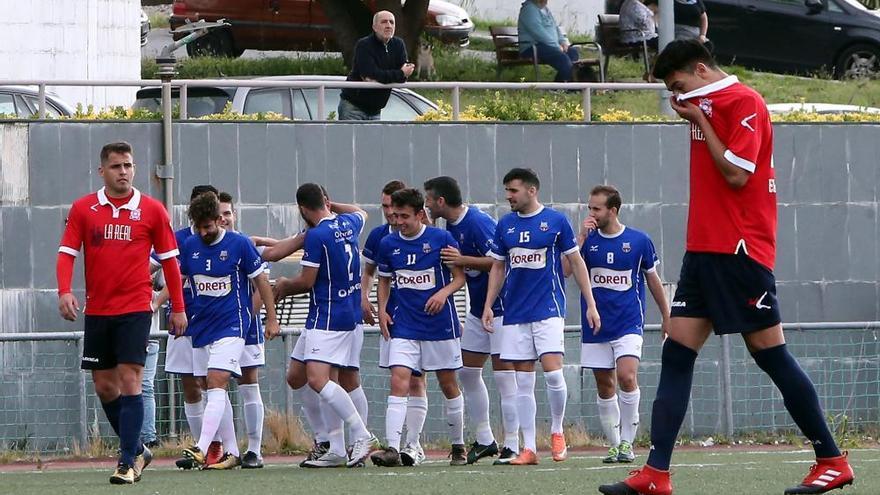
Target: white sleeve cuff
{"x":256,"y":272}
{"x":309,"y":264}
{"x":384,"y":274}
{"x":497,"y":256}
{"x":570,"y":251}
{"x":168,"y":254}
{"x":67,"y":250}
{"x":739,"y":162}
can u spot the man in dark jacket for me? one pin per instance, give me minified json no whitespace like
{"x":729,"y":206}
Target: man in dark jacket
{"x":379,"y":57}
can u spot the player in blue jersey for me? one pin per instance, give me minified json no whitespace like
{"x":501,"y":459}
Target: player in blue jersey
{"x":332,"y":338}
{"x":423,"y":325}
{"x":621,"y":261}
{"x":220,"y":265}
{"x":412,"y":453}
{"x":529,"y":244}
{"x":253,"y":357}
{"x":474,"y":231}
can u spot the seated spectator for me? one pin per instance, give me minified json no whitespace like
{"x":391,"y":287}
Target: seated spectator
{"x":537,"y":28}
{"x":691,"y":21}
{"x":637,"y":23}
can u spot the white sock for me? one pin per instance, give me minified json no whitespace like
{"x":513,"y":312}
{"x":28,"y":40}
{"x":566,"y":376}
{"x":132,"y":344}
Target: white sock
{"x":557,"y":394}
{"x":194,"y":414}
{"x":416,"y":412}
{"x":629,"y":414}
{"x":335,"y":432}
{"x":455,"y":419}
{"x":226,"y":430}
{"x":253,"y":415}
{"x":395,"y":416}
{"x":360,"y":403}
{"x":526,"y":407}
{"x":476,"y":398}
{"x":505,"y":382}
{"x":334,"y":396}
{"x":213,"y":415}
{"x":609,"y":418}
{"x":311,"y":407}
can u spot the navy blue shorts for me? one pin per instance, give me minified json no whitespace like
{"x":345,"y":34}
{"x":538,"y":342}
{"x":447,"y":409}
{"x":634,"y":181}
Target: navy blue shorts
{"x":110,"y":340}
{"x":736,"y":293}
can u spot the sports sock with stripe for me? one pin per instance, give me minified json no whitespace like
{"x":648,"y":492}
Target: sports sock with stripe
{"x":629,"y":414}
{"x":609,"y":418}
{"x":476,"y":398}
{"x":455,"y":419}
{"x":799,"y":396}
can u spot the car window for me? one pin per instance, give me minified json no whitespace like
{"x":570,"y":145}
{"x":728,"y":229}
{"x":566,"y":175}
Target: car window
{"x":300,"y":109}
{"x":798,"y":3}
{"x":397,"y":109}
{"x":331,"y":101}
{"x":7,"y":105}
{"x":268,"y":100}
{"x":199,"y":102}
{"x":833,"y":7}
{"x":34,"y":102}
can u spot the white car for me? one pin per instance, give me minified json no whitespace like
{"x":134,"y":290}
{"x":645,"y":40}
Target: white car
{"x":820,"y":108}
{"x":23,"y":102}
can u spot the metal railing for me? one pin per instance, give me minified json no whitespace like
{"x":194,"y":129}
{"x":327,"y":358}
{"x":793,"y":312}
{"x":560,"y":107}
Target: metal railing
{"x":586,"y":89}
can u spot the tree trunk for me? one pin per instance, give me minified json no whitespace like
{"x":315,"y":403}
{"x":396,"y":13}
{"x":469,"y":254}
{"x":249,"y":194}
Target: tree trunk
{"x":410,"y":19}
{"x":351,"y":20}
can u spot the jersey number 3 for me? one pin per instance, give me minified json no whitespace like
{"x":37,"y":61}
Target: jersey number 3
{"x":208,"y":265}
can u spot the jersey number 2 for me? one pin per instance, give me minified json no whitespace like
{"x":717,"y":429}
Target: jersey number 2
{"x":350,"y":257}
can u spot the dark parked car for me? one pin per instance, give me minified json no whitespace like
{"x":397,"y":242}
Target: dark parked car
{"x":840,"y":36}
{"x":293,"y":103}
{"x":292,"y":25}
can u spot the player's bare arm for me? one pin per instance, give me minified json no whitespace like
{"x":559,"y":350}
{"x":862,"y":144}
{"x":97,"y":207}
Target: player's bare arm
{"x":655,"y":285}
{"x":736,"y":177}
{"x":300,"y":284}
{"x":284,"y":248}
{"x":342,"y":208}
{"x":384,"y":292}
{"x":582,"y":277}
{"x":369,"y":272}
{"x":272,"y":328}
{"x":496,"y":279}
{"x":438,"y":300}
{"x":452,"y":257}
{"x":260,"y":241}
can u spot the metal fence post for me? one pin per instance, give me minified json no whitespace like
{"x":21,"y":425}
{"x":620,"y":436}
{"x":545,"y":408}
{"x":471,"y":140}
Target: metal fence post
{"x":322,"y":112}
{"x":182,"y":103}
{"x":726,"y":391}
{"x":83,"y":403}
{"x":456,"y":103}
{"x":41,"y":96}
{"x":587,"y":104}
{"x":288,"y":392}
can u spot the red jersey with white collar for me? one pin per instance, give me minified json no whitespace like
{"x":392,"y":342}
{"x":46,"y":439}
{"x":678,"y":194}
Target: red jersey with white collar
{"x":722,"y":219}
{"x":116,"y":244}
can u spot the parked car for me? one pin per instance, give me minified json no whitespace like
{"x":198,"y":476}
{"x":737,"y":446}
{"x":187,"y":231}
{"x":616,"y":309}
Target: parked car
{"x":145,"y":27}
{"x":293,"y":103}
{"x":24,"y":102}
{"x":840,"y":36}
{"x":820,"y":108}
{"x":292,"y":25}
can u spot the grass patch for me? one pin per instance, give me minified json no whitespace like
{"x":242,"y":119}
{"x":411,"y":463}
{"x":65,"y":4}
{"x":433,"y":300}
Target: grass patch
{"x":159,"y":20}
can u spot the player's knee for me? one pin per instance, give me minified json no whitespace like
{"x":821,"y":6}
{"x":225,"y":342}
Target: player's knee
{"x":628,"y":382}
{"x":349,"y":380}
{"x":296,"y":377}
{"x":417,"y":386}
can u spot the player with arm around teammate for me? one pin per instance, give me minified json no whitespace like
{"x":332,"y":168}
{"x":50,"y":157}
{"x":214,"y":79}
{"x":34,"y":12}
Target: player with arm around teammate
{"x":425,"y":323}
{"x":620,"y":261}
{"x":220,"y":265}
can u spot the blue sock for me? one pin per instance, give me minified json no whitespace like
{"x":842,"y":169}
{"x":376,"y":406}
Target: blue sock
{"x":671,"y":402}
{"x":799,"y":396}
{"x":111,"y":409}
{"x":131,"y":420}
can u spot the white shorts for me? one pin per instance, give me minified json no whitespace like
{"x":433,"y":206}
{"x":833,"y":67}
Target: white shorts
{"x":604,"y":355}
{"x":179,"y":355}
{"x":474,"y":338}
{"x":425,"y":355}
{"x":337,"y":348}
{"x":385,"y":351}
{"x":253,"y":355}
{"x":530,"y":341}
{"x":224,"y":355}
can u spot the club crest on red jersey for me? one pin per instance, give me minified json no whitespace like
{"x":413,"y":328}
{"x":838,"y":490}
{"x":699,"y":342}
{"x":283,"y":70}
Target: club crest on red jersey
{"x":706,"y":106}
{"x":135,"y":215}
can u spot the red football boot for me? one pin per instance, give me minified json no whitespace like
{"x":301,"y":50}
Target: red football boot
{"x":214,"y":454}
{"x":645,"y":481}
{"x":827,"y":474}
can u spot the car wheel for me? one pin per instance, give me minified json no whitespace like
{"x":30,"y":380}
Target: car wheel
{"x":858,"y":62}
{"x":215,"y":44}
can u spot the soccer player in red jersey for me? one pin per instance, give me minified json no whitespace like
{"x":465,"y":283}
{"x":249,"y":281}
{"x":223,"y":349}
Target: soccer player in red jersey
{"x":726,"y":280}
{"x":115,"y":228}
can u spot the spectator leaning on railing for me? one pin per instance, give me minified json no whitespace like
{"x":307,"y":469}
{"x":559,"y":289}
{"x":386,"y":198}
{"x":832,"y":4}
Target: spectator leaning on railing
{"x":379,"y":57}
{"x":538,"y":28}
{"x":637,"y":22}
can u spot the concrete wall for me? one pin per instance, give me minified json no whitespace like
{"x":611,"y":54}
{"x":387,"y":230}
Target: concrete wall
{"x":72,"y":39}
{"x":575,"y":16}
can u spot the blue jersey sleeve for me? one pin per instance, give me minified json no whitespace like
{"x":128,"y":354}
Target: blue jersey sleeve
{"x":499,"y":250}
{"x":313,"y":249}
{"x":357,"y":221}
{"x":371,"y":247}
{"x":566,"y":242}
{"x":649,"y":256}
{"x":383,"y":260}
{"x":450,"y":241}
{"x":251,"y":262}
{"x":483,"y":233}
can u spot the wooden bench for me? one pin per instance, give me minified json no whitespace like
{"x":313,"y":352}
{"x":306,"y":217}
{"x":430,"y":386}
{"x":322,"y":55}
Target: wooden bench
{"x":507,"y":53}
{"x":608,"y":35}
